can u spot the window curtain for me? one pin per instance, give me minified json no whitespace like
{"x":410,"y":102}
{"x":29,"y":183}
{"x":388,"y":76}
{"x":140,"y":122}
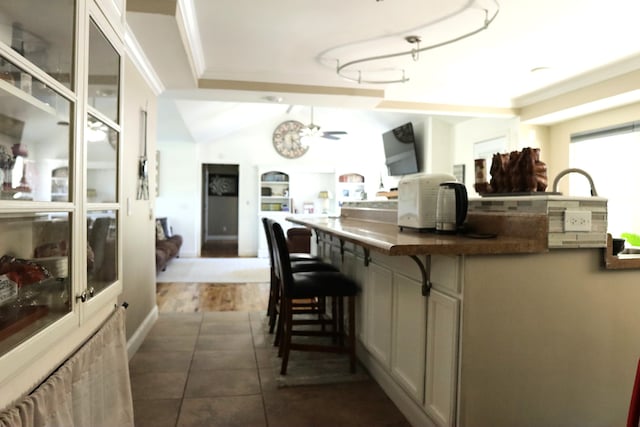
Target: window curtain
{"x":92,"y":388}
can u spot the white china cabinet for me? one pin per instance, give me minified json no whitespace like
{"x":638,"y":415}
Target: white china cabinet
{"x":61,"y":96}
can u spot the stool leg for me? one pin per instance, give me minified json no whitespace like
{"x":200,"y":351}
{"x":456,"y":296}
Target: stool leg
{"x":274,"y":301}
{"x":334,"y":319}
{"x":286,"y":312}
{"x":352,"y":332}
{"x":341,"y":330}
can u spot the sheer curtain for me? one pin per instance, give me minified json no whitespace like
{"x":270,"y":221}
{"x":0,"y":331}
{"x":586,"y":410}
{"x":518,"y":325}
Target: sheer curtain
{"x":92,"y":388}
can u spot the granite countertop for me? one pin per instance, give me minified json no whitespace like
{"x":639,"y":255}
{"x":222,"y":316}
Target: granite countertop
{"x":388,"y":239}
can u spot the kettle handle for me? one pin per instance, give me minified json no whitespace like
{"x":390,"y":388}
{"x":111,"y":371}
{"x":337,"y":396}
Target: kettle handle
{"x":462,"y":203}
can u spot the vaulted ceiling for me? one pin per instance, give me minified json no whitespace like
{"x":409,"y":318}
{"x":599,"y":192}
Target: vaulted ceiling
{"x":208,"y":54}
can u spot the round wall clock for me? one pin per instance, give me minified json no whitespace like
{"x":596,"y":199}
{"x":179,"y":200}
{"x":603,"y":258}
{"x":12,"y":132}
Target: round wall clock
{"x":286,"y":139}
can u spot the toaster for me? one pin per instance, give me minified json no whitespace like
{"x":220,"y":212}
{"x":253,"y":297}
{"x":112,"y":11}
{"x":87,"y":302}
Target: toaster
{"x":418,"y":198}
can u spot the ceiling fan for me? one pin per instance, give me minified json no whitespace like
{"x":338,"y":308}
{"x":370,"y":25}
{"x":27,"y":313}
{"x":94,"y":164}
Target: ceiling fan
{"x":312,"y":130}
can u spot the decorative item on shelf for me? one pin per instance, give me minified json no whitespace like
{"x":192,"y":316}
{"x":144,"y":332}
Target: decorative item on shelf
{"x":517,"y":172}
{"x":325,"y":196}
{"x":481,"y":185}
{"x":7,"y":161}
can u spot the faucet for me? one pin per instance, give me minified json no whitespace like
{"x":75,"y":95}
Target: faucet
{"x":594,"y":193}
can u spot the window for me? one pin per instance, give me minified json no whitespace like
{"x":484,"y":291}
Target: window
{"x":610,"y":156}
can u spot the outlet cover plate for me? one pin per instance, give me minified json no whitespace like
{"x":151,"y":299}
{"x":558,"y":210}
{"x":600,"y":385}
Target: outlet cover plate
{"x":577,"y":220}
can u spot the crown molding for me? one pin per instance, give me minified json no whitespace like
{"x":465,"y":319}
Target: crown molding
{"x":190,"y":34}
{"x":139,"y":59}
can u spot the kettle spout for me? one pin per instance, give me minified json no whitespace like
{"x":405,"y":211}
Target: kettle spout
{"x":594,"y":193}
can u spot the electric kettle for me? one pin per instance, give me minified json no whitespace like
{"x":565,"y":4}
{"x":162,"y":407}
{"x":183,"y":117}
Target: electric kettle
{"x":451,"y":207}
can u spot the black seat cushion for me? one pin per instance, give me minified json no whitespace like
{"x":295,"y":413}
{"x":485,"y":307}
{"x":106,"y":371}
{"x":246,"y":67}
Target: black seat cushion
{"x":311,"y":265}
{"x":300,"y":256}
{"x":310,"y":284}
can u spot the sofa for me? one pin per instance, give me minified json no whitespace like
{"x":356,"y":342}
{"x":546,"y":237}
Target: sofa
{"x":167,"y":244}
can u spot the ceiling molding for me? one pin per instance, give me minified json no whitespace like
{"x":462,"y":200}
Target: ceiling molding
{"x":288,"y":88}
{"x":445,"y":109}
{"x":190,"y":34}
{"x":624,"y":88}
{"x":162,"y":7}
{"x":590,"y":78}
{"x":139,"y":59}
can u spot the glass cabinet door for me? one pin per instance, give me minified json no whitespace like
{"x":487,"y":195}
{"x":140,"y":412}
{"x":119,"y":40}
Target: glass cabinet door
{"x":41,"y":32}
{"x":104,"y":74}
{"x":35,"y":274}
{"x":102,"y":162}
{"x":102,"y":250}
{"x":35,"y":137}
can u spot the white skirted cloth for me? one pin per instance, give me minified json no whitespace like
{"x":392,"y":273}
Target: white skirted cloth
{"x":92,"y":388}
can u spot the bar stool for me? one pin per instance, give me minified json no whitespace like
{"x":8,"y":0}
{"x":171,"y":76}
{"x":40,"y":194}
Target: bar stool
{"x":312,"y":284}
{"x":299,"y":262}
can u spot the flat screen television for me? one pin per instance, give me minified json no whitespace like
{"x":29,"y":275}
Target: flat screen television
{"x":400,"y":150}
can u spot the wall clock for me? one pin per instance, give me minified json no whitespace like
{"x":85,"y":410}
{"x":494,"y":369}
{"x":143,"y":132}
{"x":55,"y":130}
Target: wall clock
{"x":286,"y":139}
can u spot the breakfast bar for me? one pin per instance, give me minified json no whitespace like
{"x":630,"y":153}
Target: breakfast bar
{"x":490,"y":328}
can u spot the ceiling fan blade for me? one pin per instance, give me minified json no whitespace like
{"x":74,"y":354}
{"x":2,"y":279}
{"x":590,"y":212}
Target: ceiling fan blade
{"x":335,"y":132}
{"x":326,"y":136}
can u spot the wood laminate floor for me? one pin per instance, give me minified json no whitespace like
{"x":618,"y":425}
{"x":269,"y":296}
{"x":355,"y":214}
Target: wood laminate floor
{"x":219,"y":249}
{"x":203,"y":297}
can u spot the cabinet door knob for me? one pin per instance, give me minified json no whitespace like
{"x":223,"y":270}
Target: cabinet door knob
{"x":82,"y":297}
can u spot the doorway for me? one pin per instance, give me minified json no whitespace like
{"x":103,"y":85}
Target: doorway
{"x":220,"y":210}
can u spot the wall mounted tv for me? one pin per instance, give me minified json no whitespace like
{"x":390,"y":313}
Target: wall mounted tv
{"x":400,"y":150}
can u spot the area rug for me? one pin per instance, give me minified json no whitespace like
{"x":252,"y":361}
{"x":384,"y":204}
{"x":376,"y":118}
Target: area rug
{"x":203,"y":297}
{"x":215,"y":270}
{"x":314,"y":368}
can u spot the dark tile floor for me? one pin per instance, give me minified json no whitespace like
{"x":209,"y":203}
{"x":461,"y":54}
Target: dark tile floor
{"x":215,"y":369}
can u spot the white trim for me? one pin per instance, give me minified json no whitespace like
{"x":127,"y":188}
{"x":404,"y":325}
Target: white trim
{"x":134,"y":343}
{"x":140,"y":60}
{"x":188,"y":27}
{"x":579,"y":82}
{"x":414,"y":413}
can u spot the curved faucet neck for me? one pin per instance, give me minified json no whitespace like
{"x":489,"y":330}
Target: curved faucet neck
{"x":594,"y":193}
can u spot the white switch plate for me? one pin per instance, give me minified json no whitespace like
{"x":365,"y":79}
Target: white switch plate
{"x":577,"y":220}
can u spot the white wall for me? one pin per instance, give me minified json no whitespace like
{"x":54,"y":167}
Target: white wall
{"x":179,"y":191}
{"x":361,"y":151}
{"x":471,"y":131}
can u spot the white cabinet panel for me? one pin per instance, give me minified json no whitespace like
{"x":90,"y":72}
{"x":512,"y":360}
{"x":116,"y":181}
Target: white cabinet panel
{"x":446,"y":273}
{"x":409,"y":331}
{"x":379,"y":303}
{"x":442,"y":352}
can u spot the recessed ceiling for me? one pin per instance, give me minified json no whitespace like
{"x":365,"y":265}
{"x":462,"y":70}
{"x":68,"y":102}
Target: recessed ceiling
{"x":244,"y":50}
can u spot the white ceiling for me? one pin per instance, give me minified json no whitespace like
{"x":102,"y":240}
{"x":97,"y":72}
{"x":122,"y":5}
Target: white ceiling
{"x":213,"y":53}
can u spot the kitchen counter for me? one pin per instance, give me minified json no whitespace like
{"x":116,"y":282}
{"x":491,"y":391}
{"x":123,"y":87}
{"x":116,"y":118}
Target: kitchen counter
{"x":516,"y":234}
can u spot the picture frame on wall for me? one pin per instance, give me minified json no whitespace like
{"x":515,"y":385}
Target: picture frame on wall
{"x":222,"y":185}
{"x":458,"y":172}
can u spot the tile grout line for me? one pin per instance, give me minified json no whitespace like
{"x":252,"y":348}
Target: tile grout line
{"x":193,"y":354}
{"x":255,"y":355}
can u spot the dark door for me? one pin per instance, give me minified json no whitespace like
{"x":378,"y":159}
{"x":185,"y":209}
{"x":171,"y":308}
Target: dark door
{"x":220,"y":210}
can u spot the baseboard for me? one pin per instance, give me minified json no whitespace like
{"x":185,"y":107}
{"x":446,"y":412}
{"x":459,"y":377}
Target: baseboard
{"x":134,"y":343}
{"x":409,"y":408}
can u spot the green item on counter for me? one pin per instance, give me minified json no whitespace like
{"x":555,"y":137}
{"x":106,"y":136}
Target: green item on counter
{"x":633,"y":239}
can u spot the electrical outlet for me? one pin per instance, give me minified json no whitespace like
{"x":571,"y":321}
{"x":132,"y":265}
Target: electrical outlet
{"x":577,"y":220}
